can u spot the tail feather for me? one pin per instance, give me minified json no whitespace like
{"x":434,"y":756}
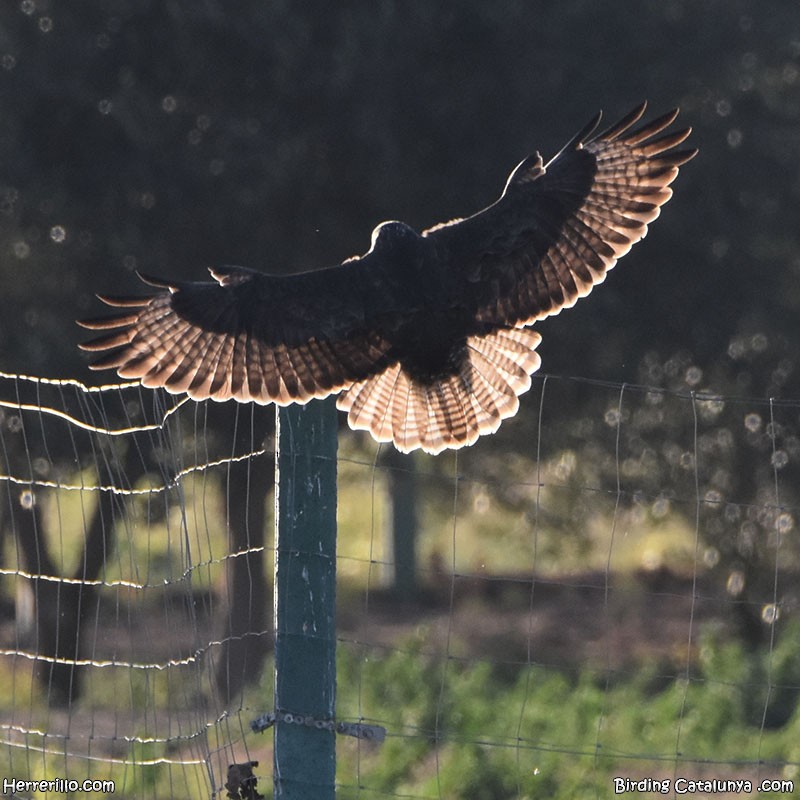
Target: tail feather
{"x":455,"y":410}
{"x":492,"y":407}
{"x":384,"y":389}
{"x":408,"y":436}
{"x":510,"y":354}
{"x":446,"y":422}
{"x":369,"y":410}
{"x":402,"y":407}
{"x":472,"y":410}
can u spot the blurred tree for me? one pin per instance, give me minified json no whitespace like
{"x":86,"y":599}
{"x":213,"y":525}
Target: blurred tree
{"x":172,"y":136}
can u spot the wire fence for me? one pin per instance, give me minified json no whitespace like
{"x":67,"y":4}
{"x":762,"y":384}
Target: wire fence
{"x":602,"y":598}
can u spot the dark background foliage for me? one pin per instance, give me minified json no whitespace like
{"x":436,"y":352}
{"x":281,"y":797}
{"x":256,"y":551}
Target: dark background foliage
{"x":170,"y":136}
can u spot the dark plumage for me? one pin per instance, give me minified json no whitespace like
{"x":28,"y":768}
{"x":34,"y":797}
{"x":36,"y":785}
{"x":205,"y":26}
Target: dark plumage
{"x":426,"y":335}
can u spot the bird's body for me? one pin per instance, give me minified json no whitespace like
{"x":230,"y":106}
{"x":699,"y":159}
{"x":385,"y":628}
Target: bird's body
{"x":425,"y":336}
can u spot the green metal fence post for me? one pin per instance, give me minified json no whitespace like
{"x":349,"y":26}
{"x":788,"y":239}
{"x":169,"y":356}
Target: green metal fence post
{"x":305,"y":601}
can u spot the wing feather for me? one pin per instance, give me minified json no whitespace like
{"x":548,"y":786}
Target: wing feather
{"x":425,"y":339}
{"x":249,"y":335}
{"x":557,"y":229}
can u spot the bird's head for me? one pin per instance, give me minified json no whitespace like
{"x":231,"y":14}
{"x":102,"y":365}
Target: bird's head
{"x":393,"y":234}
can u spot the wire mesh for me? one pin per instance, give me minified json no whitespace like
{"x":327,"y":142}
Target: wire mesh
{"x":605,"y":598}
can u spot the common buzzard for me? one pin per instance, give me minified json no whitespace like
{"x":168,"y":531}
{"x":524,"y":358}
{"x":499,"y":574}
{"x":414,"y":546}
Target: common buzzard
{"x":427,"y":336}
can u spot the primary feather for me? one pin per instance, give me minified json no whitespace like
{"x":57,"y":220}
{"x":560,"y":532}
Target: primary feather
{"x":425,"y":336}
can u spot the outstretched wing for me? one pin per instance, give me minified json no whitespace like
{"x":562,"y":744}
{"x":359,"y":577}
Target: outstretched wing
{"x":249,"y":335}
{"x":366,"y":325}
{"x":558,"y":228}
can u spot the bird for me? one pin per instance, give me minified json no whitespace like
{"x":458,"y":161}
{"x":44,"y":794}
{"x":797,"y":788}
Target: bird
{"x":427,"y":337}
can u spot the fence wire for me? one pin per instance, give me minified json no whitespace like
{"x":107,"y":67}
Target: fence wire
{"x":604,"y":597}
